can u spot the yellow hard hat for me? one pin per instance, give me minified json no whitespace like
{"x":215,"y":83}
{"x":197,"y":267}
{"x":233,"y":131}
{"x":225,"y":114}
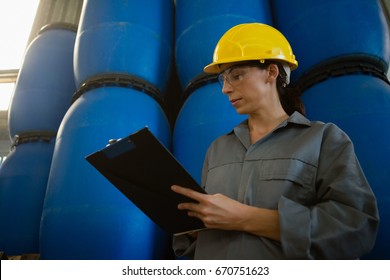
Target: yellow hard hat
{"x":251,"y":41}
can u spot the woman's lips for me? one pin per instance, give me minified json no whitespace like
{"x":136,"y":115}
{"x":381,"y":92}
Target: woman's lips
{"x":235,"y":101}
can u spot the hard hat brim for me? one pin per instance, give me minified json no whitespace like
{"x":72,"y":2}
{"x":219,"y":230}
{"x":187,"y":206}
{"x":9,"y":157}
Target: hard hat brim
{"x":215,"y":67}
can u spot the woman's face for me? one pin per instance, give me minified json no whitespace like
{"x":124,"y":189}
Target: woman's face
{"x":247,"y":87}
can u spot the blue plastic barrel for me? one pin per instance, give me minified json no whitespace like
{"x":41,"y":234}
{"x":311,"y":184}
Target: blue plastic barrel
{"x":322,"y":30}
{"x":85,"y":216}
{"x":205,"y":115}
{"x":360,"y":105}
{"x":128,"y":37}
{"x":23,"y":180}
{"x":201,"y":23}
{"x":45,"y":85}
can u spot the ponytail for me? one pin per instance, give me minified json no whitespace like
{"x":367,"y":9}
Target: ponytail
{"x":290,"y":98}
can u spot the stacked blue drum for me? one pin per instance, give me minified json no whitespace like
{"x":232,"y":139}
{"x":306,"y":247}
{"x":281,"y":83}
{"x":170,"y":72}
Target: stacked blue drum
{"x":206,"y":112}
{"x":122,"y":58}
{"x":319,"y":31}
{"x":42,"y":94}
{"x":343,"y":56}
{"x":128,"y":37}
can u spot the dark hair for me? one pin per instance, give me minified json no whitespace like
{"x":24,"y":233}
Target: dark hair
{"x":290,"y":97}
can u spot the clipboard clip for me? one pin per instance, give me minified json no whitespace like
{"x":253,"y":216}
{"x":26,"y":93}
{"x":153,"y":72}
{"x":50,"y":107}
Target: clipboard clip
{"x":112,"y":141}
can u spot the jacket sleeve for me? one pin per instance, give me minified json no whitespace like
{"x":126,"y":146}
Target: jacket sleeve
{"x":343,"y":221}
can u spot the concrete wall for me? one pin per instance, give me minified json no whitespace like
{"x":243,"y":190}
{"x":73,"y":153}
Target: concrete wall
{"x":5,"y":142}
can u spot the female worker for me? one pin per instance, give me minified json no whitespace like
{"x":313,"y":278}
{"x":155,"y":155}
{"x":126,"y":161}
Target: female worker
{"x":279,"y":186}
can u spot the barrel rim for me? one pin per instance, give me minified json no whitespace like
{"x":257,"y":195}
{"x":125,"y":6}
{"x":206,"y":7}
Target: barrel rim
{"x":341,"y":66}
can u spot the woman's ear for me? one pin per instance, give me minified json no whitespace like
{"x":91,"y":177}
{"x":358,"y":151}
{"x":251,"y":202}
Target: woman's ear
{"x":273,"y":72}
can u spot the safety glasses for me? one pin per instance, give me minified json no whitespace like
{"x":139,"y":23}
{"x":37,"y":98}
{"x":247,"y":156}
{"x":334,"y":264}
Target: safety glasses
{"x":236,"y":74}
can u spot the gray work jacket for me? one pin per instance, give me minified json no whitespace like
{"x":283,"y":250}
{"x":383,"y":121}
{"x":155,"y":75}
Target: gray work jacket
{"x":306,"y":170}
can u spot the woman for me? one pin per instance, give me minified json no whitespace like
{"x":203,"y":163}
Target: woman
{"x":279,"y":186}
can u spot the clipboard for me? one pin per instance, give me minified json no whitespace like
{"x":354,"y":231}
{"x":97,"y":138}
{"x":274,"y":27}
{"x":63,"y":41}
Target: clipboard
{"x":144,"y":170}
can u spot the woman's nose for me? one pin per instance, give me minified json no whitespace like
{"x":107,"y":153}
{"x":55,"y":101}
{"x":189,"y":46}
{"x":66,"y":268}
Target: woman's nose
{"x":226,"y":87}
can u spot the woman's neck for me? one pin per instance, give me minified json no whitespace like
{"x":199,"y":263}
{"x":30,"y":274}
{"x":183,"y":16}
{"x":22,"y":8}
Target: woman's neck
{"x":261,"y":123}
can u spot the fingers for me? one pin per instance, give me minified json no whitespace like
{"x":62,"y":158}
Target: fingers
{"x":188,"y":192}
{"x":191,"y":207}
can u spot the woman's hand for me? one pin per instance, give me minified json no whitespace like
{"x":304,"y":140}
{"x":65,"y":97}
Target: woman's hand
{"x":218,"y":211}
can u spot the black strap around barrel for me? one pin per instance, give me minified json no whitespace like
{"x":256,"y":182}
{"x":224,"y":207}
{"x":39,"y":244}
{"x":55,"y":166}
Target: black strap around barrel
{"x":33,"y":136}
{"x":119,"y":80}
{"x":198,"y":82}
{"x":58,"y":25}
{"x":342,"y":66}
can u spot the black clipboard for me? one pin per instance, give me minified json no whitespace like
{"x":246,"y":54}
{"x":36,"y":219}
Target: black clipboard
{"x":144,"y":170}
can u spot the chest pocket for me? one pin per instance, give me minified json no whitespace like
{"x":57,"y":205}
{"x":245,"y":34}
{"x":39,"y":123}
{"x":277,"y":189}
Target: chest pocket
{"x":291,"y":178}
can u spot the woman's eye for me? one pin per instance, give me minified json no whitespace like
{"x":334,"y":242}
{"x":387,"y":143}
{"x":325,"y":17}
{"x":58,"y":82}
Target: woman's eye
{"x":236,"y":76}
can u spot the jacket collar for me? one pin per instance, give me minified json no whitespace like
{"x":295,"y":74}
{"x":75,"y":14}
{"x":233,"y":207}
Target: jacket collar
{"x":294,"y":118}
